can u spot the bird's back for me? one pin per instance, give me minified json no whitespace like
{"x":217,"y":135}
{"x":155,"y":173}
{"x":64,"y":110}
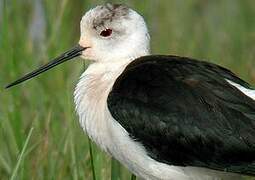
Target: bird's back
{"x":187,"y":113}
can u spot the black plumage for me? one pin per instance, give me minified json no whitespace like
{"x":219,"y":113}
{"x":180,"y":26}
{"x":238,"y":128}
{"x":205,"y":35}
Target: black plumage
{"x":185,"y":113}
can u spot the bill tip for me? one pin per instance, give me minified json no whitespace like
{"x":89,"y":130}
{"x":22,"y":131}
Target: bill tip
{"x":9,"y":86}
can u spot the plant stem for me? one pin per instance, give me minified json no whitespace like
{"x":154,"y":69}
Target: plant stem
{"x":115,"y":170}
{"x":92,"y":160}
{"x":133,"y":177}
{"x":14,"y":173}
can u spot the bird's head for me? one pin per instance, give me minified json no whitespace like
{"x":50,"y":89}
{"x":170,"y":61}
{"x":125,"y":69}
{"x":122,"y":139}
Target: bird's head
{"x":109,"y":33}
{"x":113,"y":32}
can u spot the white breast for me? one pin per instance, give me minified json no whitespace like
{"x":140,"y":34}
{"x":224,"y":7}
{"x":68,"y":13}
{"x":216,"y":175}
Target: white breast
{"x":91,"y":105}
{"x":90,"y":98}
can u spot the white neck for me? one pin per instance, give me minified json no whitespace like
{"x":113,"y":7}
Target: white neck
{"x":91,"y":97}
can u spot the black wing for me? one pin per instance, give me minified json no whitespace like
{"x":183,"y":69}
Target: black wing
{"x":185,"y":113}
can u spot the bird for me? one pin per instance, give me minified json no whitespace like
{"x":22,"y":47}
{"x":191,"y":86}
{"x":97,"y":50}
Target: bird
{"x":164,"y":117}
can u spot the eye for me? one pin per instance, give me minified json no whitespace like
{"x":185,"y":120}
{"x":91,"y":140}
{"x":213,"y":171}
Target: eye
{"x":106,"y":33}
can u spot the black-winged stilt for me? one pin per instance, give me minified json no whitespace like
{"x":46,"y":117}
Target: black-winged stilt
{"x":163,"y":117}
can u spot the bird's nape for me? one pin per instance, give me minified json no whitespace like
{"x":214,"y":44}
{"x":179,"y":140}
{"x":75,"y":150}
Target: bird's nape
{"x":68,"y":55}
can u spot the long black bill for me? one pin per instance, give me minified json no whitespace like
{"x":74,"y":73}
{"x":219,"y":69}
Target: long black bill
{"x":72,"y":53}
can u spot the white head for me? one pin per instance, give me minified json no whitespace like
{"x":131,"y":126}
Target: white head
{"x":109,"y":33}
{"x":113,"y":32}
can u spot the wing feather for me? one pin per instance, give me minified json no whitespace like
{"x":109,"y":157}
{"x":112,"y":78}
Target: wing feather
{"x":186,"y":113}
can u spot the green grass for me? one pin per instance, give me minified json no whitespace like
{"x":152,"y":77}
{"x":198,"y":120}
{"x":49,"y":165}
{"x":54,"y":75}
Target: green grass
{"x":21,"y":156}
{"x":220,"y":31}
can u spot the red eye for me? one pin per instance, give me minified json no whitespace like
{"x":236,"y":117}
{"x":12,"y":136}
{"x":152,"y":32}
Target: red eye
{"x":106,"y":33}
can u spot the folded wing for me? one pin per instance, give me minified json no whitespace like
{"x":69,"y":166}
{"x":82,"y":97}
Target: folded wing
{"x":186,"y":113}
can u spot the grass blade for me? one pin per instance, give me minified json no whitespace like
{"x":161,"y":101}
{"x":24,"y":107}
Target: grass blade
{"x":92,"y":160}
{"x":14,"y":174}
{"x":133,"y":177}
{"x":115,"y":170}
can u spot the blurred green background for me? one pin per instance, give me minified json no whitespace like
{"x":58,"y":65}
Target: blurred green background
{"x":40,"y":137}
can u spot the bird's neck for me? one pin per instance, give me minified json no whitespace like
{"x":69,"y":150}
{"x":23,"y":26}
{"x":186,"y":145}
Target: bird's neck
{"x":91,"y":98}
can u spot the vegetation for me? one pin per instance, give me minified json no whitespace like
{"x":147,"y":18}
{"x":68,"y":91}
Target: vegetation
{"x":40,"y":136}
